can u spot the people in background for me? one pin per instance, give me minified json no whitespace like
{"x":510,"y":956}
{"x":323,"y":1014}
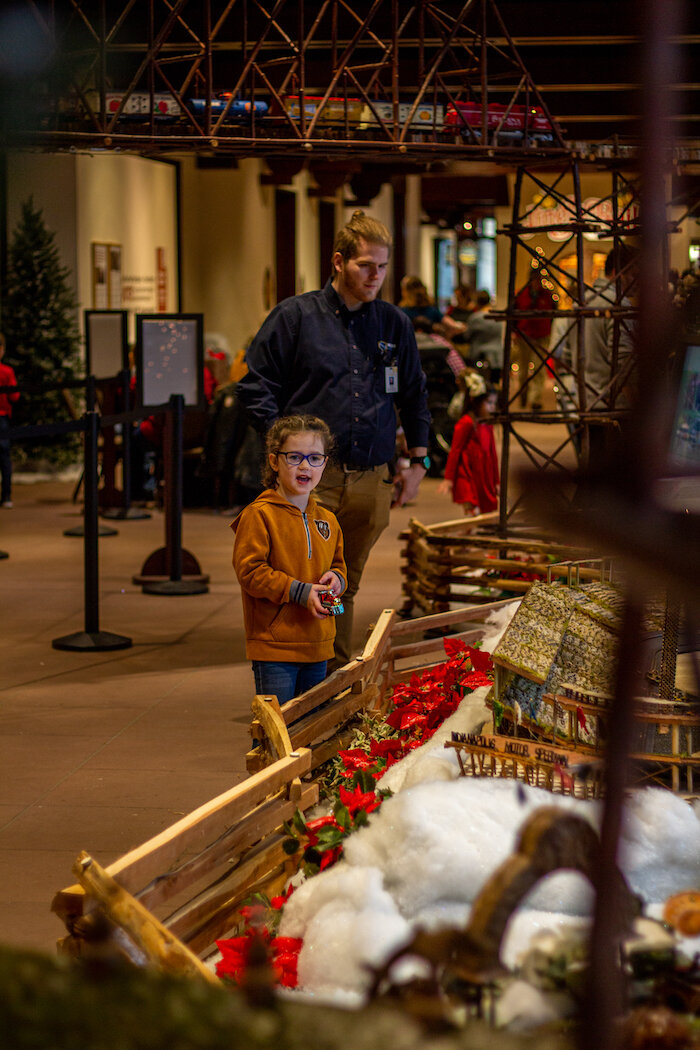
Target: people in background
{"x":7,"y":399}
{"x":287,"y":553}
{"x":484,"y":338}
{"x":608,"y":340}
{"x":347,"y":356}
{"x":428,"y":340}
{"x":233,"y":450}
{"x":530,"y":343}
{"x":472,"y":474}
{"x":458,"y":313}
{"x":416,"y":302}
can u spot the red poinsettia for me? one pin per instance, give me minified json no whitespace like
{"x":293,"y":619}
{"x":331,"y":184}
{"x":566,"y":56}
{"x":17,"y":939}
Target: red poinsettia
{"x":237,"y":954}
{"x":419,"y":708}
{"x":357,"y":799}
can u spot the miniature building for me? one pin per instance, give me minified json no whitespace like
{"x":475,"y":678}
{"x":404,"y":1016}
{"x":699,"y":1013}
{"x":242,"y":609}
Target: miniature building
{"x":554,"y":686}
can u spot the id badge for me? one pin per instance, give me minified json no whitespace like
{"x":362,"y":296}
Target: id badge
{"x":391,"y":379}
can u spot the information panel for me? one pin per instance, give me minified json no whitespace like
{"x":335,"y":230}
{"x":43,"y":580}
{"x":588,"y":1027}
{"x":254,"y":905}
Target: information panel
{"x":106,"y":345}
{"x":169,"y":359}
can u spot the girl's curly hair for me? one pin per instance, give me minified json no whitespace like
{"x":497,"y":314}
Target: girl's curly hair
{"x":283,"y":428}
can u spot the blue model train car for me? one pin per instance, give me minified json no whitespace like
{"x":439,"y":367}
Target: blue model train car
{"x":238,"y":109}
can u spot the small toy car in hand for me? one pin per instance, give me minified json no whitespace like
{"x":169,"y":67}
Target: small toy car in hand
{"x":332,"y":603}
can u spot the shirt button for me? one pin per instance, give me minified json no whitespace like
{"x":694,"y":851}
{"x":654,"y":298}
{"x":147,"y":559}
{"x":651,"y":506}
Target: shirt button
{"x":357,"y":420}
{"x":356,"y":394}
{"x":354,"y":371}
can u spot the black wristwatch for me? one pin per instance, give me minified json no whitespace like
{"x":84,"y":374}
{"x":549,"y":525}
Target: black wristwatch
{"x":423,"y":460}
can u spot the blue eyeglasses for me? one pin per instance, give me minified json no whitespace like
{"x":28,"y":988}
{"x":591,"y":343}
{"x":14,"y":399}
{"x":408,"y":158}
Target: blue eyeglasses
{"x":295,"y":459}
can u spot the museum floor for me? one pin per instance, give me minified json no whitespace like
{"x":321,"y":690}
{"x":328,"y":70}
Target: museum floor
{"x":101,"y":750}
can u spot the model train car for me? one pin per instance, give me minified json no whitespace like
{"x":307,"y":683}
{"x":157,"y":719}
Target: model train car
{"x":345,"y":116}
{"x":136,"y":106}
{"x":506,"y":123}
{"x":236,"y":109}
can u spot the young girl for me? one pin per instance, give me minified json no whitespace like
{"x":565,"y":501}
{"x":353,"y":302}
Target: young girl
{"x":471,"y":472}
{"x":288,"y":551}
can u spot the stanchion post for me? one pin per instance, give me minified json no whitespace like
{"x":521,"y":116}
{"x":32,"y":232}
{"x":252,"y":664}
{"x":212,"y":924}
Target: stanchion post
{"x":92,"y":638}
{"x":126,"y":512}
{"x":173,"y":522}
{"x":172,"y":554}
{"x":90,"y":403}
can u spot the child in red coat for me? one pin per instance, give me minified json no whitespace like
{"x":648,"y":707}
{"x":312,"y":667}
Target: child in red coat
{"x":471,"y":472}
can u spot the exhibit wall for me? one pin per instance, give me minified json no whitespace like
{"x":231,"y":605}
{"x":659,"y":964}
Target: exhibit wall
{"x":115,"y":224}
{"x":50,"y":181}
{"x":128,"y":204}
{"x":227,"y":241}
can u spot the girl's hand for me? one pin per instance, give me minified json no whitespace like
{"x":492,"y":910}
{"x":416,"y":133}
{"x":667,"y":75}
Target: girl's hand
{"x":314,"y":603}
{"x":330,"y":582}
{"x":445,"y":487}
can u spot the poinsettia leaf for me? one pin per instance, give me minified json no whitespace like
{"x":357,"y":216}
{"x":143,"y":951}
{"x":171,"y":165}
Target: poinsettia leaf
{"x":361,"y":819}
{"x":299,"y":822}
{"x":290,"y":846}
{"x":342,"y":815}
{"x":363,"y":780}
{"x":328,"y":838}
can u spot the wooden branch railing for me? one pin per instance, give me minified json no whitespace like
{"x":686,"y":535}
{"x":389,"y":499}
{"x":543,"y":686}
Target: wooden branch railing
{"x":171,"y":898}
{"x":465,"y":560}
{"x":213,"y":857}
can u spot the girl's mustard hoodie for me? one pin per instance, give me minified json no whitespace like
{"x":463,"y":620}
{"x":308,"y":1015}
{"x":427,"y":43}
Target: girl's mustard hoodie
{"x":279,"y":551}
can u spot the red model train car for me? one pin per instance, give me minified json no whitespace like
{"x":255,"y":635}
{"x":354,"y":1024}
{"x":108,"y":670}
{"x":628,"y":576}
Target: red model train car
{"x":507,"y":124}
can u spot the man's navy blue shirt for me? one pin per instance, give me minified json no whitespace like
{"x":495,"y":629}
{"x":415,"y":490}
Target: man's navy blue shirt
{"x":313,"y":355}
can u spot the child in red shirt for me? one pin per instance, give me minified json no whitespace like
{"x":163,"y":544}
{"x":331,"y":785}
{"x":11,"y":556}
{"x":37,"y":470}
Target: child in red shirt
{"x":7,"y":378}
{"x":471,"y":472}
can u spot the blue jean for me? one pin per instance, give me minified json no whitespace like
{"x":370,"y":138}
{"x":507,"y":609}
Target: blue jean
{"x":286,"y":680}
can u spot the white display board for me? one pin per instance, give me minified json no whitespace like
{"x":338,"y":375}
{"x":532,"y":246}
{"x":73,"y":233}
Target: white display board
{"x":106,"y":349}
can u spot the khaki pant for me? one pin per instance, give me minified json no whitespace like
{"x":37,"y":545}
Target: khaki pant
{"x":524,"y":353}
{"x":361,"y":501}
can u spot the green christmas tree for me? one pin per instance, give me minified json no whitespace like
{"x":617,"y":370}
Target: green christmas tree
{"x":39,"y":320}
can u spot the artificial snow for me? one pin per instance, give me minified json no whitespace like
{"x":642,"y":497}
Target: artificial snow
{"x":429,"y":849}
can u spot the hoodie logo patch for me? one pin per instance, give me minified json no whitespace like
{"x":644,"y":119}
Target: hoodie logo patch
{"x":324,"y":529}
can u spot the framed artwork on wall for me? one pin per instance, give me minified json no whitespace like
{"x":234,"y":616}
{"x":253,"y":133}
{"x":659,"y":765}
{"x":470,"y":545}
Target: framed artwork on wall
{"x":106,"y":276}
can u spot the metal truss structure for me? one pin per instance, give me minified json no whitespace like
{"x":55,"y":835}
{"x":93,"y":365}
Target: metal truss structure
{"x":387,"y":79}
{"x":548,"y":200}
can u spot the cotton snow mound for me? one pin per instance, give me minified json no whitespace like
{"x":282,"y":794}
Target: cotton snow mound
{"x":660,"y":847}
{"x":427,"y":853}
{"x":348,"y":922}
{"x":496,"y":623}
{"x":440,"y":841}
